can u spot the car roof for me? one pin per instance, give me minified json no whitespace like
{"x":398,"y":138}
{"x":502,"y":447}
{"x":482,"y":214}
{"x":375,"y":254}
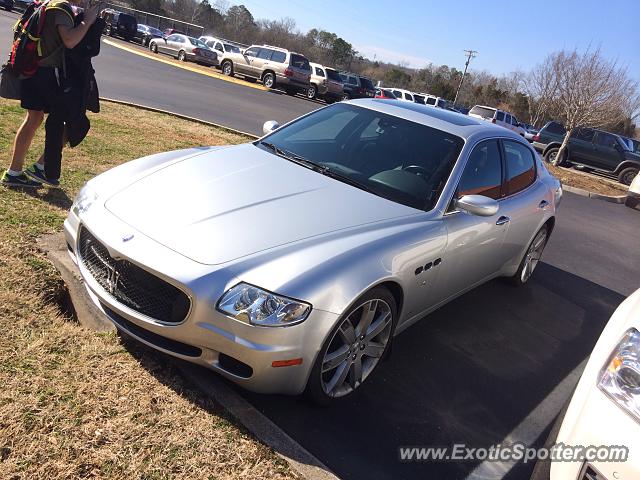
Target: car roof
{"x":445,"y":120}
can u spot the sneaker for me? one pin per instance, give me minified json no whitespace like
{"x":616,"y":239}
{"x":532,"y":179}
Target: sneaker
{"x":18,"y":181}
{"x":37,"y":175}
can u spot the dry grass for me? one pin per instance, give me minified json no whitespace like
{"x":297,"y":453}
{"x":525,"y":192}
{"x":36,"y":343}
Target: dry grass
{"x":77,"y":404}
{"x":589,"y":182}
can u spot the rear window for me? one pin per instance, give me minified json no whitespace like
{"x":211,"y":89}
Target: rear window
{"x":482,"y":112}
{"x":366,"y":83}
{"x":278,"y":56}
{"x":299,"y":61}
{"x":555,"y":127}
{"x":333,"y":75}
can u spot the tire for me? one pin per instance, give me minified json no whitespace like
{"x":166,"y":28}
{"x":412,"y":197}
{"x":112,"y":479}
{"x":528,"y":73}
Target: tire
{"x":627,"y":175}
{"x":550,"y":157}
{"x":312,"y":92}
{"x":182,"y":56}
{"x":269,"y":80}
{"x":531,"y":258}
{"x":108,"y":31}
{"x":227,"y":68}
{"x":345,"y":96}
{"x":632,"y":202}
{"x":153,"y":47}
{"x":360,"y":352}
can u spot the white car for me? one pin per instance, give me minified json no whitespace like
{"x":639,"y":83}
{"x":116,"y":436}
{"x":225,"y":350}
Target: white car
{"x":435,"y":101}
{"x":605,"y":408}
{"x":402,"y":94}
{"x":223,"y":48}
{"x":497,"y":117}
{"x":633,"y":195}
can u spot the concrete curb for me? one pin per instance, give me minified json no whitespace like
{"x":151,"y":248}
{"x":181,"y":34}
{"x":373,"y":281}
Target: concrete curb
{"x":267,"y":432}
{"x":599,"y":196}
{"x":179,"y":115}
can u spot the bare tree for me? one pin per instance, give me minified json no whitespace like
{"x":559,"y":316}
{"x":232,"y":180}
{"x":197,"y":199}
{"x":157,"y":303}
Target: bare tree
{"x":540,"y":85}
{"x":590,"y":91}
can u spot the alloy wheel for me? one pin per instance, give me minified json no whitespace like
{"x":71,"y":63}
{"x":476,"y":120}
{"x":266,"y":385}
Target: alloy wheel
{"x":181,"y":56}
{"x":268,"y":80}
{"x":356,"y":348}
{"x":533,"y":255}
{"x":311,"y":92}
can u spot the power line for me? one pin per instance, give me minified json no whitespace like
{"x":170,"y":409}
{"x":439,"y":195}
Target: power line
{"x":470,"y":54}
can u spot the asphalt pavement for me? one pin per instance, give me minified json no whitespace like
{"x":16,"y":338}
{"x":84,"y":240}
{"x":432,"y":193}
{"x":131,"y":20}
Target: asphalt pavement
{"x":129,"y":77}
{"x":473,"y":371}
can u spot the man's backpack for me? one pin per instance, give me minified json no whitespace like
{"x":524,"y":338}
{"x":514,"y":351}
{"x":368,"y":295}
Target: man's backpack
{"x":26,"y":51}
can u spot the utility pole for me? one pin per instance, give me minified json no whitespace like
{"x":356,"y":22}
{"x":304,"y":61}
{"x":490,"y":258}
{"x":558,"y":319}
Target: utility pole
{"x":470,"y":54}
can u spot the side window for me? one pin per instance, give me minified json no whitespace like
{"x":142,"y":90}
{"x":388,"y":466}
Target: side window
{"x":606,"y":140}
{"x":514,"y":121}
{"x":210,"y":44}
{"x":521,"y":168}
{"x":507,"y":118}
{"x":265,"y":54}
{"x":397,"y":93}
{"x":278,"y":56}
{"x":584,"y":134}
{"x":353,"y":81}
{"x":219,"y":47}
{"x":500,"y":116}
{"x":408,"y":96}
{"x":483,"y":173}
{"x":251,"y":52}
{"x":319,"y":72}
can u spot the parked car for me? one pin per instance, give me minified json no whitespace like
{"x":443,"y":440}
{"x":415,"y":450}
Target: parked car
{"x":274,"y":66}
{"x":384,"y":93}
{"x":223,"y":48}
{"x":529,"y":132}
{"x":356,"y":86}
{"x":184,"y":49}
{"x":589,"y":148}
{"x":288,"y":264}
{"x":145,"y":33}
{"x":497,"y":117}
{"x":7,"y":5}
{"x":633,"y":195}
{"x":325,"y":83}
{"x":120,"y":24}
{"x":404,"y":95}
{"x":435,"y":101}
{"x":605,"y":406}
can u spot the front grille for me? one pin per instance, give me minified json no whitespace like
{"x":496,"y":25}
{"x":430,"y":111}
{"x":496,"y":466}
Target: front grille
{"x":590,"y":473}
{"x":131,"y":285}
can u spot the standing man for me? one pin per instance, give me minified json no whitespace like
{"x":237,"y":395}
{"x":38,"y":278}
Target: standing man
{"x":42,"y":94}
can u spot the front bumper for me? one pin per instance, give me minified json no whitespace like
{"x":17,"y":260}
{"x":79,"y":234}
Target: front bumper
{"x":242,"y":353}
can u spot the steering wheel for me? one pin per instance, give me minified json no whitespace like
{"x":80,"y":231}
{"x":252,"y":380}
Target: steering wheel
{"x":417,"y":169}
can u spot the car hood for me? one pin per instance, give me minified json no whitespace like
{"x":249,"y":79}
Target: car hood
{"x":225,"y":204}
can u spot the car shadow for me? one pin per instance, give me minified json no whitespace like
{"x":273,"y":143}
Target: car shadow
{"x":469,"y":373}
{"x":54,"y":196}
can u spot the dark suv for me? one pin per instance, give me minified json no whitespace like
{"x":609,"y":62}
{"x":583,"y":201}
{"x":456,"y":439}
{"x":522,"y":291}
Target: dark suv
{"x":594,"y":149}
{"x":120,"y":24}
{"x":356,"y":86}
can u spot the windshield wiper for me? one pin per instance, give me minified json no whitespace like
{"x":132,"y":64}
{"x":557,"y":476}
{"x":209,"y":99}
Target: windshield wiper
{"x":316,"y":167}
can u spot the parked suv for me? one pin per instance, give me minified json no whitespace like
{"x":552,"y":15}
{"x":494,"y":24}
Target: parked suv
{"x":274,"y":66}
{"x":325,"y":83}
{"x":223,"y":48}
{"x":498,"y":117}
{"x":357,"y":86}
{"x":7,"y":5}
{"x":594,"y":149}
{"x":120,"y":24}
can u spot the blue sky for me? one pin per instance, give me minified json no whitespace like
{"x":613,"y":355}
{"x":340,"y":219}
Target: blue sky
{"x":508,"y":34}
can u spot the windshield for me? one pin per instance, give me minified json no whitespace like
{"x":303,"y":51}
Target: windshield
{"x":403,"y":161}
{"x":231,"y":48}
{"x":482,"y":112}
{"x":626,"y":143}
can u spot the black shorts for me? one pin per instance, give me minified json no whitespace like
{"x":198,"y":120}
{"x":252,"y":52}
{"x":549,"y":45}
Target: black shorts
{"x":38,"y":92}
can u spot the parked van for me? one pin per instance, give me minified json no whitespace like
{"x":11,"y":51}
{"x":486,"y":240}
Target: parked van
{"x":498,"y":117}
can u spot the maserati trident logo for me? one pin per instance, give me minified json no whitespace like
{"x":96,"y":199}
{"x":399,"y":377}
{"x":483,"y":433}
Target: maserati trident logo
{"x":112,"y":279}
{"x":128,"y":237}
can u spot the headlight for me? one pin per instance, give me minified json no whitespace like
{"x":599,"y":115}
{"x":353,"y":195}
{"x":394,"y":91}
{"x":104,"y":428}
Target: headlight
{"x":84,"y":200}
{"x":620,"y":377}
{"x":258,"y":307}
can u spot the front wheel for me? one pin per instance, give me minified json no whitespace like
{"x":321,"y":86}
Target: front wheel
{"x":354,"y":348}
{"x":531,"y":258}
{"x":627,"y":175}
{"x":227,"y":68}
{"x":269,"y":80}
{"x":182,"y":56}
{"x":153,"y":47}
{"x":345,"y":96}
{"x":311,"y":92}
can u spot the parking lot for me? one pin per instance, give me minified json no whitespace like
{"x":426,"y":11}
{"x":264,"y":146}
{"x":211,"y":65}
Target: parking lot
{"x":474,"y":371}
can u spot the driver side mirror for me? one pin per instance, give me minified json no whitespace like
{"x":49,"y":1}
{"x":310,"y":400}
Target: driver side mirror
{"x":477,"y":205}
{"x":270,"y":126}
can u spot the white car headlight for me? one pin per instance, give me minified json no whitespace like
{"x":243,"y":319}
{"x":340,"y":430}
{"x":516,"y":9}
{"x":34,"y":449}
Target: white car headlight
{"x":620,"y":377}
{"x":83,"y":201}
{"x":259,"y":307}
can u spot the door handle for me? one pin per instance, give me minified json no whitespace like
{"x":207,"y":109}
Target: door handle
{"x":543,"y":204}
{"x":502,"y":220}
